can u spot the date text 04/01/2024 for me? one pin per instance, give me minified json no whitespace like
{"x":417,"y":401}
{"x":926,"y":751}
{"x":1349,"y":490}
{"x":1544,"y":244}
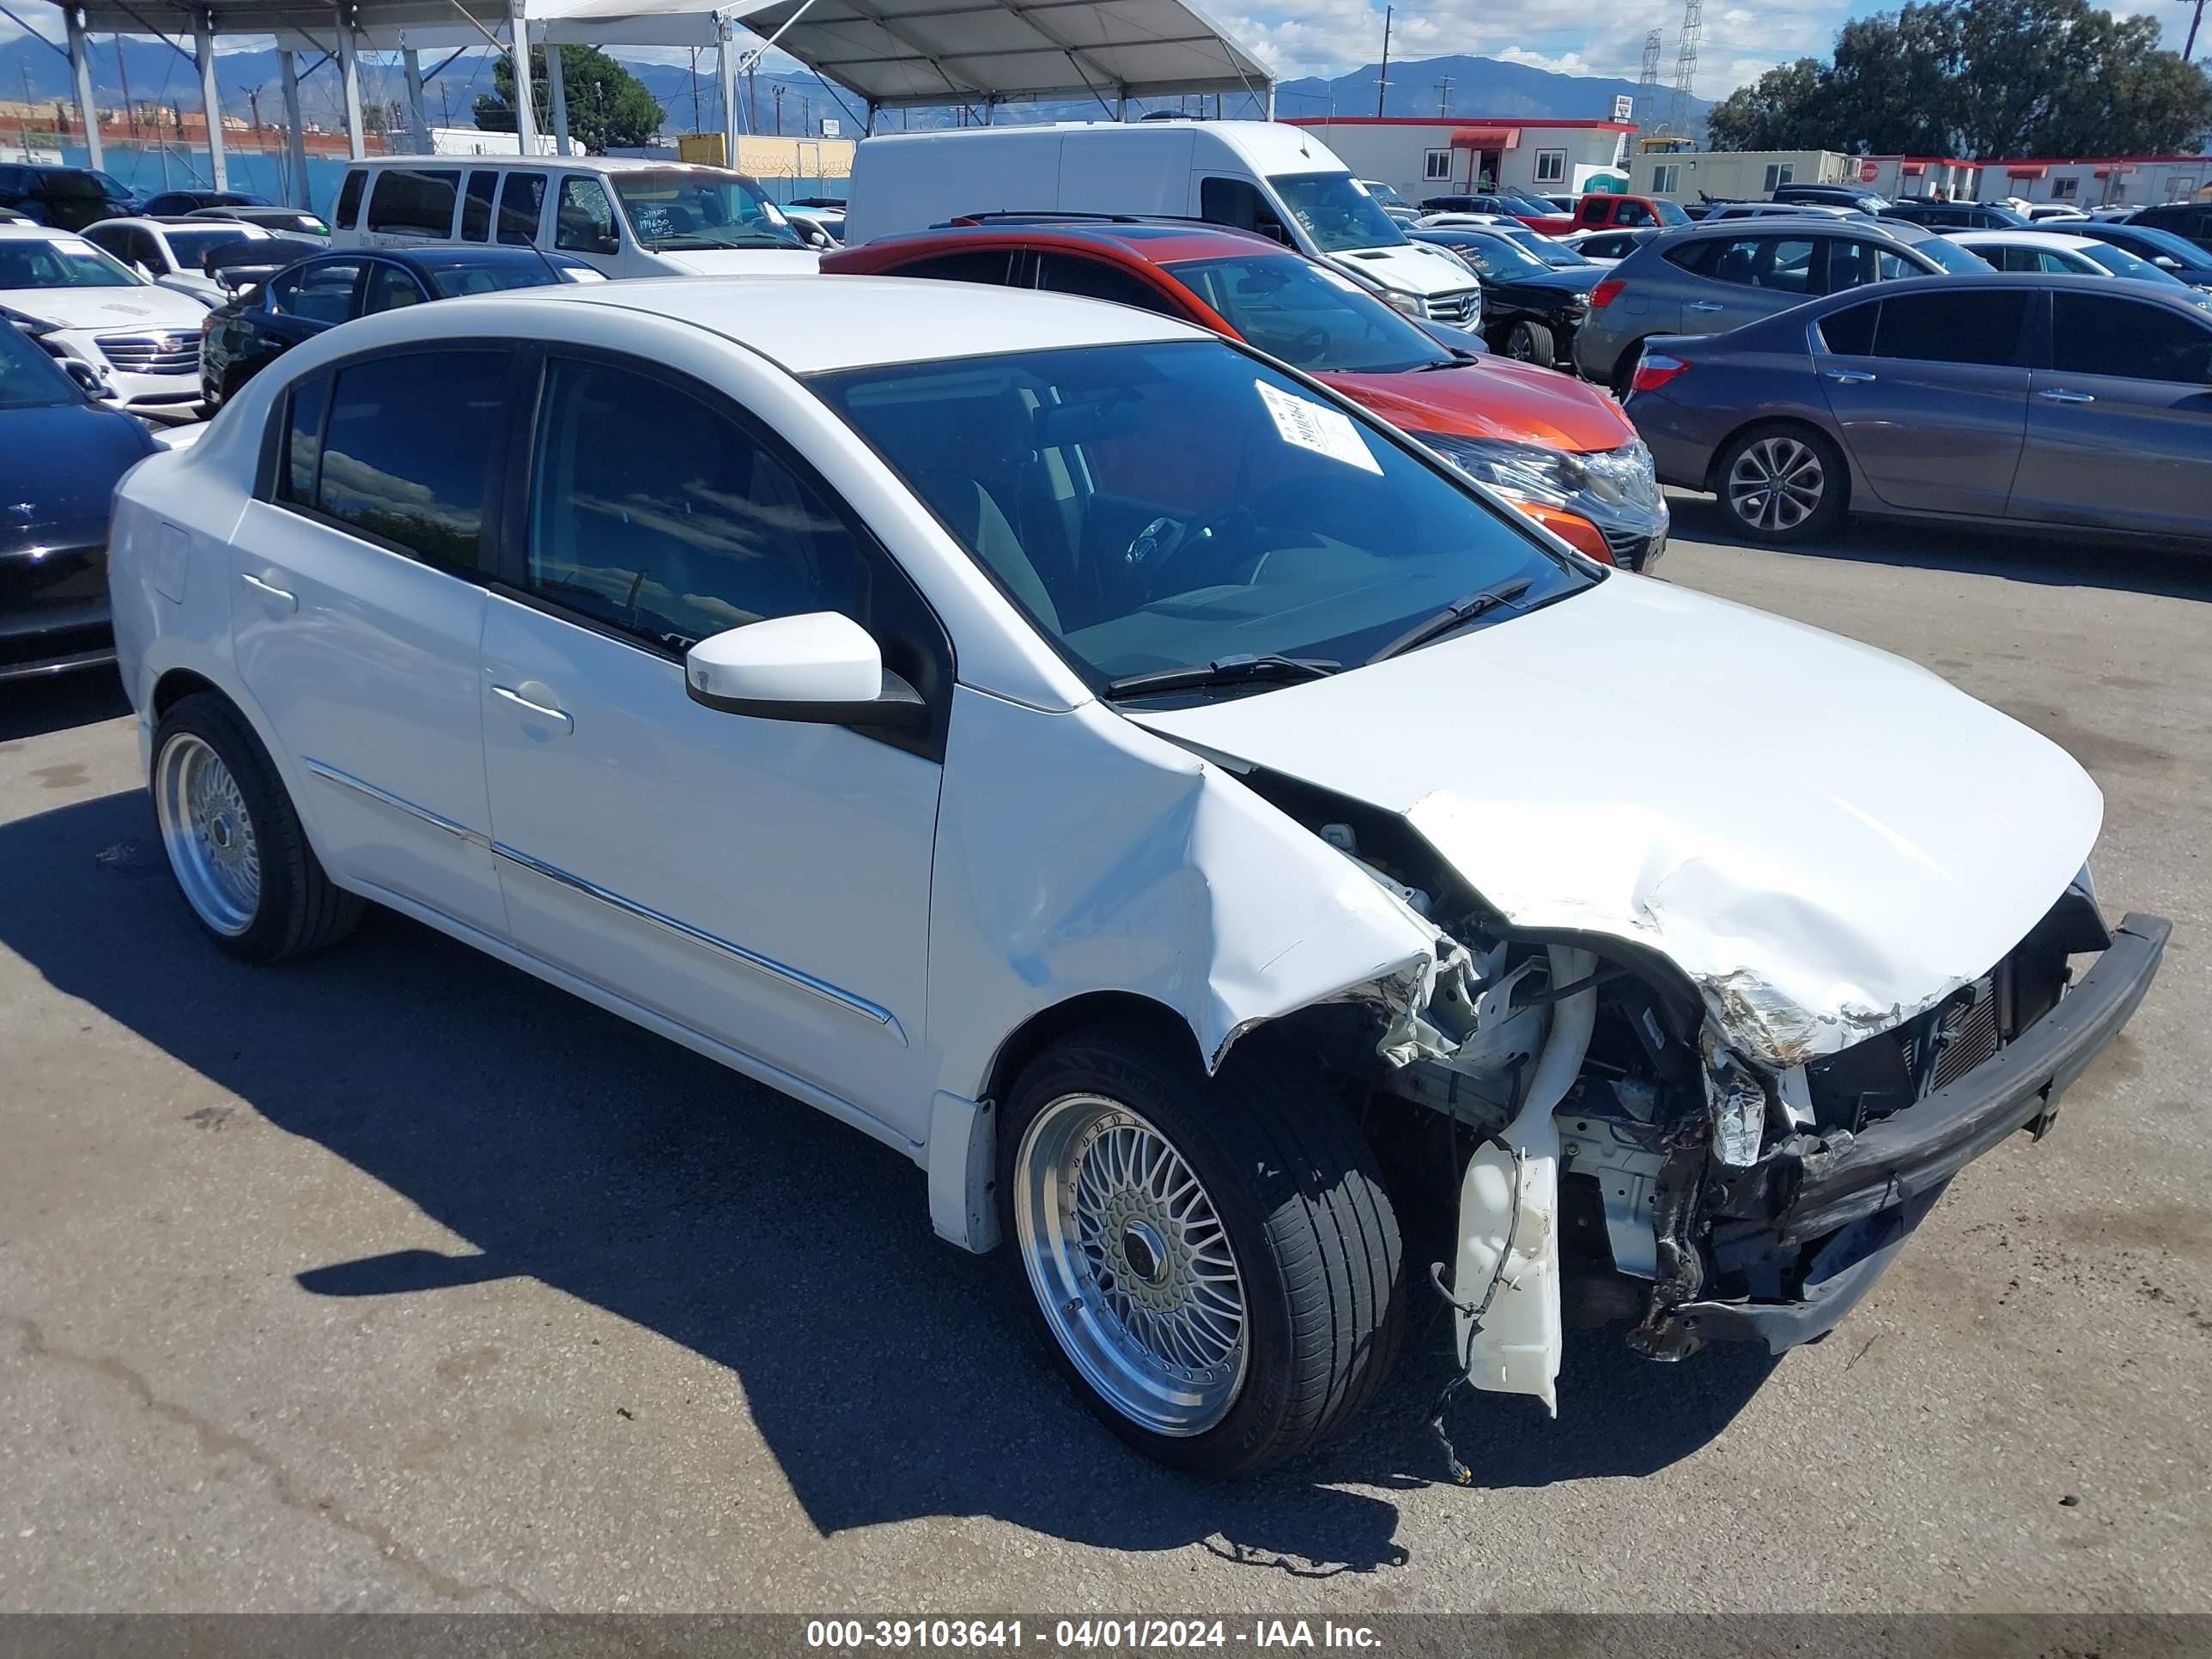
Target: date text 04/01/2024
{"x":1168,"y":1634}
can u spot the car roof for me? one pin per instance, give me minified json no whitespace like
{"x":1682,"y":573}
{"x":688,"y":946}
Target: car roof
{"x":444,"y":259}
{"x":1896,"y":230}
{"x":2171,"y":294}
{"x":573,"y":163}
{"x":809,"y":325}
{"x":1158,"y":241}
{"x":39,"y":233}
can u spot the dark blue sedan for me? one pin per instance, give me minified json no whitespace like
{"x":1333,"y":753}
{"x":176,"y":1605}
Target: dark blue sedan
{"x":62,"y":452}
{"x":240,"y":339}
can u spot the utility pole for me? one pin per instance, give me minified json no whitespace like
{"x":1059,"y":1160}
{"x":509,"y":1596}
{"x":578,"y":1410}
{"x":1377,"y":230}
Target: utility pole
{"x":123,"y":74}
{"x":1382,"y":77}
{"x":2195,"y":18}
{"x":806,"y":115}
{"x":776,"y":92}
{"x":1443,"y":96}
{"x":695,"y":90}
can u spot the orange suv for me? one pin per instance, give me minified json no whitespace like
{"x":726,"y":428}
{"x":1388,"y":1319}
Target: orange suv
{"x":1560,"y":450}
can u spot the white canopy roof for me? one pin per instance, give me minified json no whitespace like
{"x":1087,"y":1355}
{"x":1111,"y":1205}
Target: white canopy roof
{"x":891,"y":53}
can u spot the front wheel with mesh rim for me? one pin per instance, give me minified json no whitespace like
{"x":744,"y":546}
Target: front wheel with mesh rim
{"x":1781,"y":483}
{"x":234,"y":843}
{"x":1212,"y":1263}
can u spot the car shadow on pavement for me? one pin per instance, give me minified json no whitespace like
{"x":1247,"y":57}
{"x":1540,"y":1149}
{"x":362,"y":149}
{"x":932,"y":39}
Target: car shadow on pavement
{"x":889,"y":1374}
{"x":2054,"y":561}
{"x":32,"y":708}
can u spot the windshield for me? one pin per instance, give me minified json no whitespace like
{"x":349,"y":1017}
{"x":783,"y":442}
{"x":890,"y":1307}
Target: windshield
{"x":1336,"y":212}
{"x":671,"y":208}
{"x":1166,"y":506}
{"x":1308,"y":315}
{"x":450,"y":281}
{"x":91,"y":187}
{"x":1960,"y":261}
{"x":28,"y":378}
{"x":192,"y":247}
{"x":66,"y":262}
{"x":2121,"y":263}
{"x":1497,"y":257}
{"x":1669,"y":213}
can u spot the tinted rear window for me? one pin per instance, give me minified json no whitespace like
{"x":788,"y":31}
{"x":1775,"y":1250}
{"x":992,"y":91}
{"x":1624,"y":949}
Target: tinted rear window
{"x":406,"y":202}
{"x":1969,"y":325}
{"x":476,"y":210}
{"x":521,"y":202}
{"x":1850,"y":330}
{"x":350,"y":198}
{"x":406,"y":454}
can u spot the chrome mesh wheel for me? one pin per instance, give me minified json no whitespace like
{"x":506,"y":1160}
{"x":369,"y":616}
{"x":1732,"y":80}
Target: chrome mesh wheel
{"x":1130,"y":1264}
{"x":1777,"y":483}
{"x":208,"y":834}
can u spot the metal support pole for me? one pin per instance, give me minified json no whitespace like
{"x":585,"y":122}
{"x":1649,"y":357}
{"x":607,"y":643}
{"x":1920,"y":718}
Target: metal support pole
{"x":1271,"y":100}
{"x":81,"y":83}
{"x":557,"y":93}
{"x":518,"y":52}
{"x":295,"y":130}
{"x":869,"y":131}
{"x":210,"y":100}
{"x":349,"y":78}
{"x":726,"y":70}
{"x":1121,"y":105}
{"x":418,"y":123}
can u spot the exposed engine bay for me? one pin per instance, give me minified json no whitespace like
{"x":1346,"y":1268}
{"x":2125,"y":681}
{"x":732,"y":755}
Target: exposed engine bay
{"x":1600,"y":1123}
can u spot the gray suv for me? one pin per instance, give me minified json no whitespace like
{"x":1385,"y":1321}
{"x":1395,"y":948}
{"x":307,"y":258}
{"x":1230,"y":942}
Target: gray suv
{"x":1712,"y":277}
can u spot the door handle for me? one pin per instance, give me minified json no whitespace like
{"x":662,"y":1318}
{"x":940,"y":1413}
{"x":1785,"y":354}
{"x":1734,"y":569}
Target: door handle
{"x":2059,"y":394}
{"x":284,"y":597}
{"x":1849,"y":376}
{"x":560,"y":717}
{"x":1705,"y":305}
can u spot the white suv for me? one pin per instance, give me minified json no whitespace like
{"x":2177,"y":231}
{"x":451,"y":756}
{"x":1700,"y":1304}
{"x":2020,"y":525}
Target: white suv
{"x":1138,"y":786}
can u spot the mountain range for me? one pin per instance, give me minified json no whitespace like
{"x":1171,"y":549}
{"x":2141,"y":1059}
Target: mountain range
{"x":1480,"y":87}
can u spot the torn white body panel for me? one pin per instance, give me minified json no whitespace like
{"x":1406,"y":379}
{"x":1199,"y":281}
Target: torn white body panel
{"x":1826,"y":839}
{"x":1077,"y":853}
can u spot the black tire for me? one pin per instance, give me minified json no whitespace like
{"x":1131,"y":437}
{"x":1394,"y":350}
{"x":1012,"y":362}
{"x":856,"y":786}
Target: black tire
{"x":1624,"y":369}
{"x":1767,"y":517}
{"x":1298,"y":1191}
{"x":298,"y":909}
{"x":1530,"y":342}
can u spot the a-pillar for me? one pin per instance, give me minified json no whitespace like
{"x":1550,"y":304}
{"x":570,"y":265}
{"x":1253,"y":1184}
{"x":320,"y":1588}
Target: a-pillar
{"x":211,"y":101}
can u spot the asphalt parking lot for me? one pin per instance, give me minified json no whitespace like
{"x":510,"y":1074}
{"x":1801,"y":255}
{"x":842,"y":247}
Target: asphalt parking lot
{"x":393,"y":1279}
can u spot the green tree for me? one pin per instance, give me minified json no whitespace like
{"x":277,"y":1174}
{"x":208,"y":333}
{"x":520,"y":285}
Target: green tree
{"x":1984,"y":78}
{"x":607,"y":104}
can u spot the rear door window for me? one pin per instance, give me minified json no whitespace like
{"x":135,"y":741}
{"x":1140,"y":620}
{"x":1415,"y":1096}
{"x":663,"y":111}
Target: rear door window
{"x":411,"y":203}
{"x":1696,"y":258}
{"x":1855,"y":264}
{"x":389,"y":288}
{"x":407,"y":451}
{"x":349,"y":208}
{"x":1783,"y":263}
{"x":2093,"y":335}
{"x":1094,"y":279}
{"x":319,"y":294}
{"x":1850,"y":333}
{"x":1965,"y":326}
{"x":988,"y":266}
{"x":522,"y":205}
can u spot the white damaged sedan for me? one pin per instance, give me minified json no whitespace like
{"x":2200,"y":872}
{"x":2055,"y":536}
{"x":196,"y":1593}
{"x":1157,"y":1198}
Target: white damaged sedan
{"x":1190,"y":821}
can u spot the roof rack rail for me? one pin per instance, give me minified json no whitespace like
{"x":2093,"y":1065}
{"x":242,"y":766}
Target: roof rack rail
{"x":1063,"y":215}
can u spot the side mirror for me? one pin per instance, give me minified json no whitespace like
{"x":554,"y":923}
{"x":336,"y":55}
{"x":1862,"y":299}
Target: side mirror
{"x":607,"y":243}
{"x":87,"y":382}
{"x":2166,"y":262}
{"x":139,"y":265}
{"x":822,"y":666}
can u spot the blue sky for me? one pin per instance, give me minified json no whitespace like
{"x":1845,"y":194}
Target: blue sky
{"x":1576,"y":37}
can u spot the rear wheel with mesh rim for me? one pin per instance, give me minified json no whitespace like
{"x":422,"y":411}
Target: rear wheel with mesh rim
{"x":1212,"y":1263}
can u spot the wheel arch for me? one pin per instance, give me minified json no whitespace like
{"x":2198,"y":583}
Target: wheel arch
{"x":1792,"y":422}
{"x":183,"y":675}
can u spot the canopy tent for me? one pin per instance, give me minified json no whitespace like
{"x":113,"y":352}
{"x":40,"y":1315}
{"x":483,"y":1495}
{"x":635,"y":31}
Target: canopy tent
{"x":890,"y":53}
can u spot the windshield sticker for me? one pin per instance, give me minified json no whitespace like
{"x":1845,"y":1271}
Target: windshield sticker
{"x":1316,"y":426}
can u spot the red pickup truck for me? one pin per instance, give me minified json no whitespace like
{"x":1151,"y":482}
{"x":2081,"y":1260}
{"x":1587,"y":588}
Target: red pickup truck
{"x":1602,"y":210}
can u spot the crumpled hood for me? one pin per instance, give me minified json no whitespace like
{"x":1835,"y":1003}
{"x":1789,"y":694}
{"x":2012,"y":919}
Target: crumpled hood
{"x":746,"y":261}
{"x":121,"y":309}
{"x":1824,"y":838}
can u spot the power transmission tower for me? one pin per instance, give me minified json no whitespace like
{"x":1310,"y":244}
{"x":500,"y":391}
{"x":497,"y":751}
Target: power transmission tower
{"x":1686,"y":65}
{"x":1382,"y":78}
{"x":1443,"y":96}
{"x":1647,"y":83}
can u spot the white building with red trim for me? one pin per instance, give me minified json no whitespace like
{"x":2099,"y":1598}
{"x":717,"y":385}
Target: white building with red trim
{"x":2088,"y":181}
{"x":1454,"y":155}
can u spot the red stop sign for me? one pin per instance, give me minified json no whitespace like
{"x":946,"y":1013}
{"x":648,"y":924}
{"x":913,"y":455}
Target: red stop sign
{"x":1869,"y":173}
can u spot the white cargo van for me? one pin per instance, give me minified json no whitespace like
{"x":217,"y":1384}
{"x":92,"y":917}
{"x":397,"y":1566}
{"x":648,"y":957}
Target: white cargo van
{"x":1261,"y":175}
{"x":627,"y":218}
